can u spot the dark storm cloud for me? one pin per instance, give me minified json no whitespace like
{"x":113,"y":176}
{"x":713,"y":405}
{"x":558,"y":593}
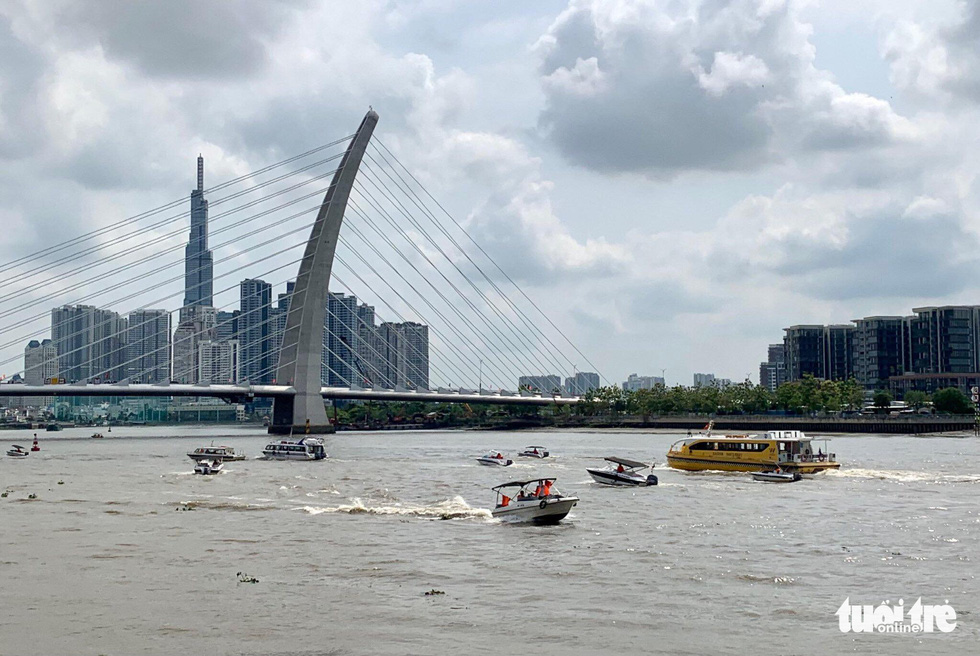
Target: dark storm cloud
{"x":183,"y":38}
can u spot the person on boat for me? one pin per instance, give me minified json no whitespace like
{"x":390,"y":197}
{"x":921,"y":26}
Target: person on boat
{"x":620,"y":469}
{"x":547,"y":489}
{"x":504,"y":500}
{"x":500,"y":455}
{"x":778,"y":470}
{"x":538,"y":490}
{"x":535,"y":452}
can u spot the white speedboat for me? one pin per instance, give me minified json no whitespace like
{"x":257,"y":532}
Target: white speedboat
{"x":537,"y":501}
{"x":216,"y":453}
{"x":208,"y":467}
{"x":623,"y":472}
{"x":494,"y":458}
{"x":534,"y":452}
{"x":308,"y":448}
{"x":777,"y":476}
{"x":17,"y":451}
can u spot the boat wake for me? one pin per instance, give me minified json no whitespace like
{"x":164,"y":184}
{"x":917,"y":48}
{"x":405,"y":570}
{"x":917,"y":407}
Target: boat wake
{"x":904,"y":476}
{"x":224,"y":505}
{"x":455,"y":508}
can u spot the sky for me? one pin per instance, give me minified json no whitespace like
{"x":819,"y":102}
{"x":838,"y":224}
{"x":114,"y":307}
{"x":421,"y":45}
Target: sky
{"x":674,"y":181}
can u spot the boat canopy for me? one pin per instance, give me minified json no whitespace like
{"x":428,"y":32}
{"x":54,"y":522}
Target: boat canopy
{"x":632,"y":464}
{"x":17,"y":446}
{"x":523,"y":483}
{"x":534,"y":447}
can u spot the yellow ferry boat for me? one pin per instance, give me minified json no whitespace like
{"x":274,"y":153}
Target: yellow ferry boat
{"x":791,"y":451}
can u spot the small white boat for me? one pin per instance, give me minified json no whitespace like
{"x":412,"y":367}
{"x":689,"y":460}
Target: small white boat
{"x":308,"y":448}
{"x":17,"y":451}
{"x":494,"y":458}
{"x":217,"y":453}
{"x":542,"y":504}
{"x":777,"y":476}
{"x":624,"y":472}
{"x":534,"y":452}
{"x":208,"y":467}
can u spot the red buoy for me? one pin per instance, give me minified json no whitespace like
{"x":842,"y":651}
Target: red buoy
{"x":35,"y":447}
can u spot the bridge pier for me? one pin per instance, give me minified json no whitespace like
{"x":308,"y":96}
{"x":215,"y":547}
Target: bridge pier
{"x":284,"y":411}
{"x":302,"y":341}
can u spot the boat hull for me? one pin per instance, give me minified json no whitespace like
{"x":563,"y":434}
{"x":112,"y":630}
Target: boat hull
{"x":688,"y":463}
{"x":17,"y":454}
{"x":554,"y":510}
{"x":526,"y":454}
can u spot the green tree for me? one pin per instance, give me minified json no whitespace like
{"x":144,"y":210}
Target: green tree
{"x":915,"y":399}
{"x":882,"y":399}
{"x":953,"y":401}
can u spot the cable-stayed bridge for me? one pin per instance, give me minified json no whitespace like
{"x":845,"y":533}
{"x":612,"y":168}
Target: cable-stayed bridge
{"x":460,"y":329}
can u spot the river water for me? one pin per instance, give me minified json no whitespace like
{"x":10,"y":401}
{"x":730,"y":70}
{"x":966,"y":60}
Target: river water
{"x":125,"y":551}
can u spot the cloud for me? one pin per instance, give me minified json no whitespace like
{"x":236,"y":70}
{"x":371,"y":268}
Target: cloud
{"x":660,"y":88}
{"x":937,"y":59}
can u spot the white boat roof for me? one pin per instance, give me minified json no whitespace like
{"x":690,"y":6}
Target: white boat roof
{"x":523,"y":483}
{"x":625,"y":462}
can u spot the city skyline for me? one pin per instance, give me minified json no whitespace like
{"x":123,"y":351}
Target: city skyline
{"x":709,"y":241}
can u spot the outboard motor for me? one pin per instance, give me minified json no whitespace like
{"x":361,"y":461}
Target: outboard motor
{"x":652,"y":479}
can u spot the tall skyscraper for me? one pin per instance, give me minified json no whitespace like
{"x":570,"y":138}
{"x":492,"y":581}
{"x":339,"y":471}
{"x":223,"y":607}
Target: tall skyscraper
{"x":254,"y":331}
{"x":198,"y":260}
{"x":804,"y":351}
{"x":148,"y":347}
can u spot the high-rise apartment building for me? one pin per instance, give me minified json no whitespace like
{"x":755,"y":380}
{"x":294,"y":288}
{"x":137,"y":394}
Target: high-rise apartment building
{"x":838,"y":352}
{"x":634,"y":383}
{"x":772,"y":372}
{"x":197,"y":327}
{"x":340,"y":332}
{"x":546,"y":383}
{"x":881,"y":350}
{"x":218,"y":362}
{"x":40,"y":367}
{"x":581,"y":382}
{"x":198,"y":260}
{"x":946,"y":339}
{"x":254,"y":332}
{"x":804,"y":351}
{"x":90,"y":343}
{"x":148,"y":346}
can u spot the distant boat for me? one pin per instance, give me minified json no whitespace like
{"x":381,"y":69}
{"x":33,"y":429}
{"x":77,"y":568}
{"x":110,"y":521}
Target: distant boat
{"x":17,"y":451}
{"x":217,"y":453}
{"x":777,"y":476}
{"x":97,"y":436}
{"x":534,"y":452}
{"x":309,"y":448}
{"x":494,"y":459}
{"x":52,"y":427}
